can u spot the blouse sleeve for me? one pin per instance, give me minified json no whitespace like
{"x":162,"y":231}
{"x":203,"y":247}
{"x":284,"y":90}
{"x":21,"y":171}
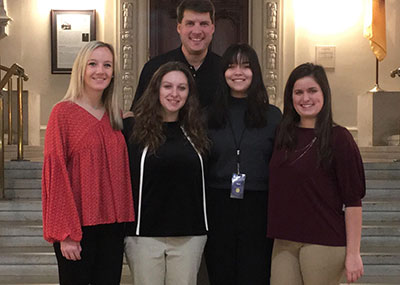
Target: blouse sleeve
{"x":60,"y":214}
{"x":349,"y":168}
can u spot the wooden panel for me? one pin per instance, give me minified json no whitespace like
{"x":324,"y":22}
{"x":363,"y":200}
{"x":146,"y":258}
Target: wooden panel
{"x":231,"y":25}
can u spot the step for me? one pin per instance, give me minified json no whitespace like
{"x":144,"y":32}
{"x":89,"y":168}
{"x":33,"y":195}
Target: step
{"x":382,"y":184}
{"x":378,"y":216}
{"x":23,"y":193}
{"x":23,"y":173}
{"x":23,"y":183}
{"x":32,"y":153}
{"x":380,"y":241}
{"x":27,"y":255}
{"x":45,"y":280}
{"x":40,"y":270}
{"x":6,"y":241}
{"x":24,"y":228}
{"x":382,"y":270}
{"x":382,"y":170}
{"x":23,"y":165}
{"x":393,"y":193}
{"x":382,"y":189}
{"x":381,"y":205}
{"x":381,"y":258}
{"x":380,"y":152}
{"x":377,"y":280}
{"x":381,"y":228}
{"x":21,"y":205}
{"x":20,"y":210}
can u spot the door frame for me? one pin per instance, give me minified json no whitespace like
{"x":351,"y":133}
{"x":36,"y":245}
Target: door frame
{"x":265,"y":36}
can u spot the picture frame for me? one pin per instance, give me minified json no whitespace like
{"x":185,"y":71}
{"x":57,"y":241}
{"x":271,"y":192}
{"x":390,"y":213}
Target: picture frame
{"x":70,"y":31}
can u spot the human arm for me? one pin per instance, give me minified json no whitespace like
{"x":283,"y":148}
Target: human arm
{"x":60,"y":214}
{"x":353,"y":264}
{"x":351,"y":180}
{"x":127,"y":114}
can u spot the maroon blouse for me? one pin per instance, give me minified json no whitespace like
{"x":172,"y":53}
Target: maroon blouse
{"x":306,"y":202}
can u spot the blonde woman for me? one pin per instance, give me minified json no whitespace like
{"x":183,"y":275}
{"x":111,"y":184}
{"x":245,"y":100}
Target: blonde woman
{"x":86,"y":189}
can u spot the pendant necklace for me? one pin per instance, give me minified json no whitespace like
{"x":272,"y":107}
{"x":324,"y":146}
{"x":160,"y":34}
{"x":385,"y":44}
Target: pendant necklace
{"x":304,"y":149}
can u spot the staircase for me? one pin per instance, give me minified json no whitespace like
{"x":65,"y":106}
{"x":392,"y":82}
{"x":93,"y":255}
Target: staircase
{"x":25,"y":258}
{"x":380,"y":243}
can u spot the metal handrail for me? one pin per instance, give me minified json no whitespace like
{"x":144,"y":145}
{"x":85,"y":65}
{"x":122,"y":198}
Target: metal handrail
{"x":14,"y":70}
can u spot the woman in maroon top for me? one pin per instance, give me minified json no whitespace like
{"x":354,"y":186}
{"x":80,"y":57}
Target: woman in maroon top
{"x":315,"y":172}
{"x":86,"y":188}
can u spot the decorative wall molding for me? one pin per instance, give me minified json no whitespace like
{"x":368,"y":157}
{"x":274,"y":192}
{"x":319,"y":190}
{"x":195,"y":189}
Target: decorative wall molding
{"x":4,"y":19}
{"x":128,"y":50}
{"x":128,"y":37}
{"x":271,"y":41}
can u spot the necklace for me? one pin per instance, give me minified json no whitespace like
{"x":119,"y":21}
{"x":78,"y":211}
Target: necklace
{"x":304,"y":150}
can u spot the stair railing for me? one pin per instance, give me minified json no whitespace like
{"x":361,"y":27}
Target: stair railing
{"x":18,"y":71}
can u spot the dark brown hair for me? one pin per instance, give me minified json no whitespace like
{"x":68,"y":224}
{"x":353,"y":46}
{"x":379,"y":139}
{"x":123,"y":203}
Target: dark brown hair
{"x":257,"y":96}
{"x":286,"y":138}
{"x":148,"y":127}
{"x":199,"y":6}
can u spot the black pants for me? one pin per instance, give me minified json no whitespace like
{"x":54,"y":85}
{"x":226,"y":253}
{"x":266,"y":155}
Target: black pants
{"x":238,"y":251}
{"x":101,"y":257}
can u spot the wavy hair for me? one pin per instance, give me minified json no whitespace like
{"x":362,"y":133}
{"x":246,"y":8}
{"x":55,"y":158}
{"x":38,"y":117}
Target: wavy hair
{"x":77,"y":83}
{"x":286,"y":138}
{"x":257,"y":96}
{"x":148,"y":113}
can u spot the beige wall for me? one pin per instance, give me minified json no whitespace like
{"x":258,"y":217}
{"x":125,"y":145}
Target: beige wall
{"x":28,"y":43}
{"x":354,"y":73}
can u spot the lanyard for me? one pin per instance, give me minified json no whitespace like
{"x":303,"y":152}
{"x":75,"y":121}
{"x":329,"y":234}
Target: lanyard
{"x":237,"y":145}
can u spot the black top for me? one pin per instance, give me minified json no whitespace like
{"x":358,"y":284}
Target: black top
{"x":305,"y":200}
{"x":256,"y":149}
{"x":206,"y":76}
{"x":172,"y":194}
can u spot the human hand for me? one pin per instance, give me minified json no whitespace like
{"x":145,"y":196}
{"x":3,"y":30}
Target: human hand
{"x":71,"y":249}
{"x":354,"y":267}
{"x":127,"y":114}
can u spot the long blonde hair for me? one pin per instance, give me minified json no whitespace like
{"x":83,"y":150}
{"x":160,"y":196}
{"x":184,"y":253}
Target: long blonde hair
{"x":76,"y":85}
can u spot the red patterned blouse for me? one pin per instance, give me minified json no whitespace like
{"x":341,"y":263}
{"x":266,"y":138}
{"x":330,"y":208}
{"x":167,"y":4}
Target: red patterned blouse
{"x":86,"y":179}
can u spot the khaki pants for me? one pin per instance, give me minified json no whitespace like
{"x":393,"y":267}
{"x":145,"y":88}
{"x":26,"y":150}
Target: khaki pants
{"x":295,"y":263}
{"x":164,"y":260}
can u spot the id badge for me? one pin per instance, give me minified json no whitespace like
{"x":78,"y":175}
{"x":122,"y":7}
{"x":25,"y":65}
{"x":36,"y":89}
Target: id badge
{"x":237,"y":188}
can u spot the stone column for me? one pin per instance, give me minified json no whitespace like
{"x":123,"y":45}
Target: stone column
{"x":3,"y":20}
{"x":127,"y":46}
{"x":378,"y":117}
{"x":271,"y":41}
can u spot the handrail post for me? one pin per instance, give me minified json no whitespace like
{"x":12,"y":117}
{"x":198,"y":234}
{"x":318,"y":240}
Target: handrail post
{"x":20,"y":155}
{"x":1,"y":148}
{"x":10,"y":111}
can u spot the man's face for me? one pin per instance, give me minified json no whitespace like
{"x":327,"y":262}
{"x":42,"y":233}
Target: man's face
{"x":196,"y":31}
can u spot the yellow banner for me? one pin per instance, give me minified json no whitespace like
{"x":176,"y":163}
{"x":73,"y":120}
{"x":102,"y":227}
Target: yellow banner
{"x":375,"y":27}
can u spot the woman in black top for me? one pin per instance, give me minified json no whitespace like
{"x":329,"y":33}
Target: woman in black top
{"x":166,"y":141}
{"x":242,"y":127}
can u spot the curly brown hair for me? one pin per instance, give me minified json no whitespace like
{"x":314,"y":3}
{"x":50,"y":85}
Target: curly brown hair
{"x":148,"y":113}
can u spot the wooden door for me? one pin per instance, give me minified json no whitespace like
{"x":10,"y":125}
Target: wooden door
{"x":231,"y":25}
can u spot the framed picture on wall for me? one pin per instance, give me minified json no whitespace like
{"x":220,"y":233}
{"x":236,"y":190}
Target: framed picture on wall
{"x":70,"y":30}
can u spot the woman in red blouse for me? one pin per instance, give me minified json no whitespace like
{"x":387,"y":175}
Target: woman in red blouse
{"x":86,"y":188}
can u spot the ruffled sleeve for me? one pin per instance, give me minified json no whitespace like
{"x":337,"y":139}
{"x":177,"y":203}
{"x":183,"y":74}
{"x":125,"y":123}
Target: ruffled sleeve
{"x":349,"y":168}
{"x":60,"y":214}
